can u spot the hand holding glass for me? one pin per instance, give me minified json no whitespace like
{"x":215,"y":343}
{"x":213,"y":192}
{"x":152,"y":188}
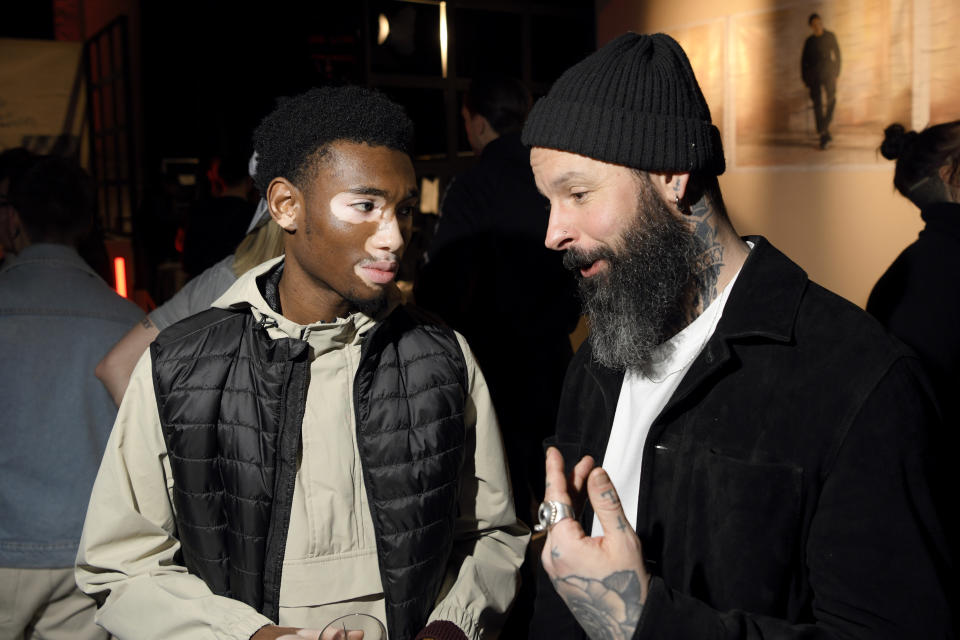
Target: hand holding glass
{"x":355,"y":626}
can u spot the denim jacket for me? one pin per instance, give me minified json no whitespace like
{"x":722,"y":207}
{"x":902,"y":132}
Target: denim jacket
{"x":58,"y":318}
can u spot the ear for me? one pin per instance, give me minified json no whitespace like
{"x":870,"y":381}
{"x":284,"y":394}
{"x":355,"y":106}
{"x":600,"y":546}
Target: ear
{"x":286,"y":204}
{"x":14,"y":234}
{"x":482,"y":124}
{"x":672,"y":187}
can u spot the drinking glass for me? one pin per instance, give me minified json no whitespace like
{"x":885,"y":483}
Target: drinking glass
{"x":354,"y":626}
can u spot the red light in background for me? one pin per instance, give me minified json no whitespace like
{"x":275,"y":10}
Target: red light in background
{"x":120,"y":275}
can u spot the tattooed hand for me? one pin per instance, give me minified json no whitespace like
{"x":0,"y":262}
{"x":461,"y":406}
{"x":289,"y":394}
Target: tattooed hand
{"x":602,"y":580}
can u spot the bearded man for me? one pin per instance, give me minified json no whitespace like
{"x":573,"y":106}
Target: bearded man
{"x":765,"y":444}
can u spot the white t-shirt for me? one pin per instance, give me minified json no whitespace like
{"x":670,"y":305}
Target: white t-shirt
{"x":643,"y":397}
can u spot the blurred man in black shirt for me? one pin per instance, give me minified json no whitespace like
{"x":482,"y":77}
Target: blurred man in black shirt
{"x":820,"y":67}
{"x":489,"y":275}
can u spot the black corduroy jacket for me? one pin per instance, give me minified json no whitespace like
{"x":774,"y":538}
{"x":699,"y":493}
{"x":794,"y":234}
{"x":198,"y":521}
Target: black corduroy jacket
{"x":785,"y":488}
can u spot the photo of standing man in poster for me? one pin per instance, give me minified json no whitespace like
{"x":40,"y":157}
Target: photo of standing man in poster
{"x":820,"y":67}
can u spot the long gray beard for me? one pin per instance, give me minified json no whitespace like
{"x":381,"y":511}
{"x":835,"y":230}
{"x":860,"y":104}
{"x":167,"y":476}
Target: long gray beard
{"x":647,"y":292}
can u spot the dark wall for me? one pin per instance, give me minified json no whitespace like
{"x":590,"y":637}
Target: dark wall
{"x":210,"y":74}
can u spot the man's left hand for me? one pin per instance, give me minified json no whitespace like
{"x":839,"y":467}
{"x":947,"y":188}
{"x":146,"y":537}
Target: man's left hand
{"x":603,"y":580}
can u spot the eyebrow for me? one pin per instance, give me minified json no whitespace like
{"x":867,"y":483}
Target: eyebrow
{"x":569,"y":176}
{"x":374,"y":191}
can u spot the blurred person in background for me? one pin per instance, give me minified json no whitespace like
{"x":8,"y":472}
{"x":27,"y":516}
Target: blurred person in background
{"x":918,"y":297}
{"x":13,"y":162}
{"x":490,"y":277}
{"x":263,"y":242}
{"x":57,"y":319}
{"x":820,"y":68}
{"x":218,"y":222}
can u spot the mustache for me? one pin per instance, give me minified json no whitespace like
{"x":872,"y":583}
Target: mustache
{"x":386,"y":259}
{"x":575,"y":258}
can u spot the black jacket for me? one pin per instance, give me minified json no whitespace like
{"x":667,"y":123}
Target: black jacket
{"x":820,"y":60}
{"x":784,"y":490}
{"x":918,"y":300}
{"x":491,"y":278}
{"x":231,"y":402}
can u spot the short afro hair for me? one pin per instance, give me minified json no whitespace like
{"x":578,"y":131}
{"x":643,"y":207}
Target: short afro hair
{"x":295,"y":136}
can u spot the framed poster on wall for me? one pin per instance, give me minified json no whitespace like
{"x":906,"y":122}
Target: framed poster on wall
{"x":776,"y":124}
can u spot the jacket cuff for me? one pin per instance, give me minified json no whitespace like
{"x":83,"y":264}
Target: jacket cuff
{"x":442,"y":630}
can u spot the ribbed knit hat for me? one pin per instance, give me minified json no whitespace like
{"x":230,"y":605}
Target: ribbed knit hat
{"x":635,"y":102}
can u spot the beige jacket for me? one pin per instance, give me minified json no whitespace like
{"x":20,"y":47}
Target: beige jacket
{"x":128,"y":551}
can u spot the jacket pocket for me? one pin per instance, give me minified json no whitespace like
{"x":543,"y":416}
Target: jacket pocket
{"x":743,"y":532}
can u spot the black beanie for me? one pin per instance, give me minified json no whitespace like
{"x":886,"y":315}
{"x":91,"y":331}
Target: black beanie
{"x":636,"y":103}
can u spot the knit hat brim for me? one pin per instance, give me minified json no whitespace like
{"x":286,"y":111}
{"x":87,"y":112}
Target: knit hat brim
{"x":624,"y":137}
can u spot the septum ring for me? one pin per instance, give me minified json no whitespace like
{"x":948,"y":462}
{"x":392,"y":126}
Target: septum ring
{"x":550,"y":513}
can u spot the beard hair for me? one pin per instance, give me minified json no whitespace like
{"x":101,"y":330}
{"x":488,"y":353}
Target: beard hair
{"x":646,"y":294}
{"x":371,"y":307}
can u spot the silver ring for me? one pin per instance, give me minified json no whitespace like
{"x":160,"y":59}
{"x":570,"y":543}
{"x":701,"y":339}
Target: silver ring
{"x":550,"y":513}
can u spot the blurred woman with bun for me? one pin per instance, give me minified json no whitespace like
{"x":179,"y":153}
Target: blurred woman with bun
{"x":918,"y":298}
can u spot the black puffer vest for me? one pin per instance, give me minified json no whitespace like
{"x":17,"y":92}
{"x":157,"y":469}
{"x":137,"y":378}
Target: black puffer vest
{"x":231,"y":402}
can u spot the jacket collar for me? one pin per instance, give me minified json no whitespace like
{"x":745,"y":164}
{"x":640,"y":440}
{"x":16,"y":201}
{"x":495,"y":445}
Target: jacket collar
{"x":766,"y":296}
{"x":49,"y":254}
{"x":256,"y":290}
{"x":505,"y":148}
{"x":943,"y":217}
{"x":763,"y":305}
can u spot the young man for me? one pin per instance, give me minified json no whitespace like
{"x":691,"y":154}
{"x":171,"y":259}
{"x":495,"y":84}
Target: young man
{"x":764,"y":443}
{"x":307,"y":448}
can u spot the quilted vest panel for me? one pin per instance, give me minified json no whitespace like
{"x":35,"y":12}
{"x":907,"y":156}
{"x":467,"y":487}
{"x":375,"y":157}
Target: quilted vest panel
{"x":411,"y":390}
{"x":219,"y":385}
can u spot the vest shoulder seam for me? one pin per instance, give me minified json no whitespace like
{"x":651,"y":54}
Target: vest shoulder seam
{"x":187,"y":325}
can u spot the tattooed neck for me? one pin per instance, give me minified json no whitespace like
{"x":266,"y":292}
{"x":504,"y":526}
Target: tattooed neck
{"x":705,"y":223}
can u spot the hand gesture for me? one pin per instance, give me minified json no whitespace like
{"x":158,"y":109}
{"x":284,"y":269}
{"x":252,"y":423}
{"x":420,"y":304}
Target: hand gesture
{"x":603,"y":580}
